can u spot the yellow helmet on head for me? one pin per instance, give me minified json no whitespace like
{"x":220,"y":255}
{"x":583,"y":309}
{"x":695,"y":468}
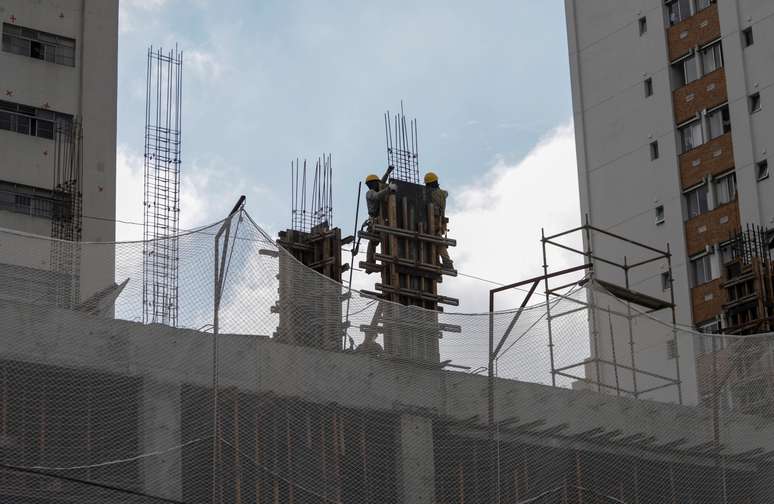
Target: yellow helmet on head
{"x":372,"y":178}
{"x":431,"y":177}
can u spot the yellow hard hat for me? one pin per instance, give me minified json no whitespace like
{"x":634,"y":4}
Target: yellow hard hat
{"x":431,"y":177}
{"x":372,"y":178}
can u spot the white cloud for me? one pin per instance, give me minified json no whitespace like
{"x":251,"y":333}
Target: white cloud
{"x":132,"y":12}
{"x":497,"y":222}
{"x":204,"y":194}
{"x":129,"y":193}
{"x":205,"y":65}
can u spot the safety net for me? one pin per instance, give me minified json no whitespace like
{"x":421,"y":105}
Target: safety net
{"x":262,"y":381}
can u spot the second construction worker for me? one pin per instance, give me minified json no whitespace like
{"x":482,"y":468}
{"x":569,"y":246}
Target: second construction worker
{"x":438,"y":198}
{"x":378,"y":190}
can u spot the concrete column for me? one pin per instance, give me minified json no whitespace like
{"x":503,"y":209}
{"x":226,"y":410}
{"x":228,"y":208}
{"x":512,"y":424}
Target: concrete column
{"x":160,"y":430}
{"x":416,"y":462}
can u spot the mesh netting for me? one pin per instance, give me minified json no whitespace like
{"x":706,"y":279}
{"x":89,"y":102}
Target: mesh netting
{"x":95,"y":406}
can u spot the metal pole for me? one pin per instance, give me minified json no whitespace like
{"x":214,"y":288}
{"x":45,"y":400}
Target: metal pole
{"x":355,"y":247}
{"x":674,"y":325}
{"x":548,"y":307}
{"x":631,"y":329}
{"x":615,"y":361}
{"x":490,"y":391}
{"x":219,"y":277}
{"x":592,"y":313}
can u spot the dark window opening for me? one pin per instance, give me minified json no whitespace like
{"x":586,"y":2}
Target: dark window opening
{"x":643,"y":23}
{"x":648,"y":87}
{"x":755,"y":102}
{"x":38,"y":45}
{"x":747,"y":37}
{"x":31,"y":121}
{"x":762,"y":169}
{"x":666,"y":281}
{"x":654,"y":150}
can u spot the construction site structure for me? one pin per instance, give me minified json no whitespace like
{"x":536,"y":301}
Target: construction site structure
{"x":738,"y":373}
{"x":409,"y":232}
{"x":313,"y":242}
{"x":161,"y":201}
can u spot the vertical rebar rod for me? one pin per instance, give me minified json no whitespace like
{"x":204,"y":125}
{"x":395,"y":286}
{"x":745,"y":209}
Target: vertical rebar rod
{"x":352,"y":264}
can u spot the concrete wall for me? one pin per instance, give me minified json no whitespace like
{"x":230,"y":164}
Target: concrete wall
{"x":89,"y":91}
{"x":167,"y":358}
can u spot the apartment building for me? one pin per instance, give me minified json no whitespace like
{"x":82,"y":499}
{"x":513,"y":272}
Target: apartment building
{"x":674,"y":107}
{"x":58,"y":94}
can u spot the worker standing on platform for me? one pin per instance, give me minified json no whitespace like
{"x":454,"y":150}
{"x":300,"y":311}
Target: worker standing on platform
{"x":438,"y":198}
{"x":378,"y":190}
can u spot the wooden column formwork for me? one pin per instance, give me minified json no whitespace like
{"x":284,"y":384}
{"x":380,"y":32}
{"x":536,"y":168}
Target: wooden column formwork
{"x":310,"y":305}
{"x":409,"y":234}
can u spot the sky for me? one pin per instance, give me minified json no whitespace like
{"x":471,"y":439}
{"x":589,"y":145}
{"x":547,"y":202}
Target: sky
{"x":271,"y":81}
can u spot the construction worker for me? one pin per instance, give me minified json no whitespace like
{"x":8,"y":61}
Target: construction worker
{"x":438,"y":198}
{"x":378,"y":190}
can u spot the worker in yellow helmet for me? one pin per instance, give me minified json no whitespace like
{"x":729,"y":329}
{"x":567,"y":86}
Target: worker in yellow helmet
{"x":438,"y":197}
{"x":378,"y":190}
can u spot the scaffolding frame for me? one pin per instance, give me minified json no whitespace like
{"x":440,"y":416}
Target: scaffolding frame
{"x":630,"y":297}
{"x":161,"y":201}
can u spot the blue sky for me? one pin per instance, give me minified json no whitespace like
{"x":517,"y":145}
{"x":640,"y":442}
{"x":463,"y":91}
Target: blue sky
{"x":266,"y":82}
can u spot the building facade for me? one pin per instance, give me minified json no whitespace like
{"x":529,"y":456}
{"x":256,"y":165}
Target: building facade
{"x":672,"y":130}
{"x":58,"y":143}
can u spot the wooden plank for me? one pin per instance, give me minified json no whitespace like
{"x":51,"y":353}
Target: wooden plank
{"x":425,"y":296}
{"x":416,"y":235}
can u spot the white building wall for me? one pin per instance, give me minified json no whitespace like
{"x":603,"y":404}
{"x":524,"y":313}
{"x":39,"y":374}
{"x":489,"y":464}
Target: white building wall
{"x":89,"y":91}
{"x":750,"y":70}
{"x":620,"y":185}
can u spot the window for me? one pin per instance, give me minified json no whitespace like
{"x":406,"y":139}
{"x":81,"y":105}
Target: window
{"x":718,"y":122}
{"x":672,"y":349}
{"x":654,"y":150}
{"x":727,"y":254}
{"x":27,"y":200}
{"x":696,"y":201}
{"x":643,"y":25}
{"x":685,"y":71}
{"x":660,"y":214}
{"x":725,"y":188}
{"x":762,"y":169}
{"x":30,"y":120}
{"x":648,"y":87}
{"x":38,"y":45}
{"x":691,"y":135}
{"x":755,"y":102}
{"x":677,"y":10}
{"x":666,"y":282}
{"x":701,"y":270}
{"x":703,"y":4}
{"x":747,"y":37}
{"x":711,"y":58}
